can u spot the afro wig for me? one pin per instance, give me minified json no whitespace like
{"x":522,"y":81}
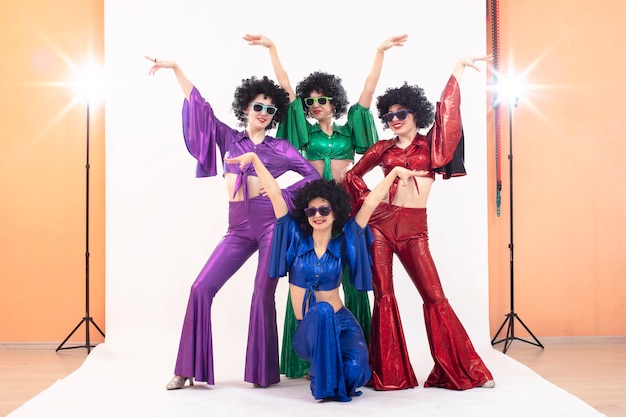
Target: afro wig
{"x":329,"y":190}
{"x":250,"y":88}
{"x":410,"y":97}
{"x":326,"y":84}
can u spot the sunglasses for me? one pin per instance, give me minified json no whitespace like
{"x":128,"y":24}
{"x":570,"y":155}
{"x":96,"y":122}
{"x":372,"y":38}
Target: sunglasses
{"x":322,"y":210}
{"x":258,"y":107}
{"x":400,"y":114}
{"x":320,"y":100}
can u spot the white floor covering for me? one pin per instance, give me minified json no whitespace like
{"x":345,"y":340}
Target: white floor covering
{"x":111,"y":383}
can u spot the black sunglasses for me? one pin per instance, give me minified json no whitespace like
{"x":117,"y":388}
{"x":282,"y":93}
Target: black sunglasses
{"x":321,"y":100}
{"x":400,"y":114}
{"x":258,"y":107}
{"x":322,"y":210}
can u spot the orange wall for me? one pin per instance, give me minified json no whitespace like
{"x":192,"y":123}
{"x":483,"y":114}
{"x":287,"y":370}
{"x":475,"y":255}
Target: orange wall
{"x":569,"y":193}
{"x":569,"y":196}
{"x":42,"y":171}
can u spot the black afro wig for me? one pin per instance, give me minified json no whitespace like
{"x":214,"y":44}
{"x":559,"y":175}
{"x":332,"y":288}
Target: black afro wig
{"x":250,"y":88}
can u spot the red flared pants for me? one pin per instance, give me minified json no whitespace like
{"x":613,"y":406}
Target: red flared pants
{"x":404,"y":231}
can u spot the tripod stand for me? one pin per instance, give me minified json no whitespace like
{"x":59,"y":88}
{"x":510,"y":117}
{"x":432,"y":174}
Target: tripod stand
{"x":511,"y":317}
{"x":87,"y":319}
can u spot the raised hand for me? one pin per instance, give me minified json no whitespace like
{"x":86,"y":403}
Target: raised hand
{"x":159,"y":63}
{"x":281,"y":74}
{"x":185,"y":83}
{"x":404,"y":174}
{"x":258,"y":40}
{"x":470,"y":61}
{"x":397,"y":40}
{"x":242,"y":160}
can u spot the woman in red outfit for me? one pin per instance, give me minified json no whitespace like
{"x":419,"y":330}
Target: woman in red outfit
{"x":399,"y":226}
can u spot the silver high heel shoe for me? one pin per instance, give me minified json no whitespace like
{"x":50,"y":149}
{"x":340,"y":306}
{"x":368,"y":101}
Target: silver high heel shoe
{"x":489,"y":384}
{"x":178,"y":382}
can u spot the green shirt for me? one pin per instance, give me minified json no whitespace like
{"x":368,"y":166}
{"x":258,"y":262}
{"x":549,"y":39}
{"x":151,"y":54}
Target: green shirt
{"x":356,"y":136}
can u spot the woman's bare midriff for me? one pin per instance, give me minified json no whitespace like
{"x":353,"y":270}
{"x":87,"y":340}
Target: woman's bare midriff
{"x":254,"y":187}
{"x":338,"y":167}
{"x":412,"y":196}
{"x":297,"y":298}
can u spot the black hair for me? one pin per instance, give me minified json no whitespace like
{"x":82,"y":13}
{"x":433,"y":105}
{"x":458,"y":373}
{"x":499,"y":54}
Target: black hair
{"x":329,"y":190}
{"x":250,"y":88}
{"x":411,"y":97}
{"x":326,"y":84}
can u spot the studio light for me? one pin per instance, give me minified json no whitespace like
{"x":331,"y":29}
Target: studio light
{"x":88,"y":86}
{"x":508,"y":92}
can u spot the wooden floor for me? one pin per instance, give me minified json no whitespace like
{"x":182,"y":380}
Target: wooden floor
{"x":593,"y":369}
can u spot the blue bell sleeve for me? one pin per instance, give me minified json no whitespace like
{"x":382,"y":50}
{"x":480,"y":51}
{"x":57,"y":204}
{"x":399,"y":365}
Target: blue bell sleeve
{"x":284,"y":241}
{"x":358,"y":250}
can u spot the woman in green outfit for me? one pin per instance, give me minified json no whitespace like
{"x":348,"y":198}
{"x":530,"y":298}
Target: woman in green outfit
{"x":331,"y":148}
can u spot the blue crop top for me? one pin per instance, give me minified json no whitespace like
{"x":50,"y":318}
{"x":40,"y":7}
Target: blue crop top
{"x":293,"y":253}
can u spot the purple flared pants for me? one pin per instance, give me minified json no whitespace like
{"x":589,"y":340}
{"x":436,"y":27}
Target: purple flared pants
{"x":250,"y":228}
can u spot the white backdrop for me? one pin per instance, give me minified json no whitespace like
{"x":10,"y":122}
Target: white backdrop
{"x":162,"y":222}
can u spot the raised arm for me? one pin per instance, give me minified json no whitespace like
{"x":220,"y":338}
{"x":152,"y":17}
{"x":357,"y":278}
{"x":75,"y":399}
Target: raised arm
{"x":268,"y":182}
{"x":447,"y":130}
{"x":382,"y":189}
{"x":371,"y":81}
{"x":185,"y":84}
{"x":468,"y":61}
{"x":279,"y":70}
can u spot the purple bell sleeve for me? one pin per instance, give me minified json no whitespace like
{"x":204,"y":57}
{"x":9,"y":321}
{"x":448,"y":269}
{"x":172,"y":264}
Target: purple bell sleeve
{"x":203,"y":132}
{"x":358,"y":243}
{"x":302,"y":166}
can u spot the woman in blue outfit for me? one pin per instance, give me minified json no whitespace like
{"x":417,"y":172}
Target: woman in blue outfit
{"x":314,"y":244}
{"x":331,"y":148}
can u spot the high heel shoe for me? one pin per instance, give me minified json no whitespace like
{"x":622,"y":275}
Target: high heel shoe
{"x":178,"y":382}
{"x":489,"y":384}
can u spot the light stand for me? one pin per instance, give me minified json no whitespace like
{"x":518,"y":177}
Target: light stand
{"x":87,"y":319}
{"x":511,"y":317}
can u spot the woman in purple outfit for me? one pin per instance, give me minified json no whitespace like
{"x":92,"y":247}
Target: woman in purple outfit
{"x":259,"y":104}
